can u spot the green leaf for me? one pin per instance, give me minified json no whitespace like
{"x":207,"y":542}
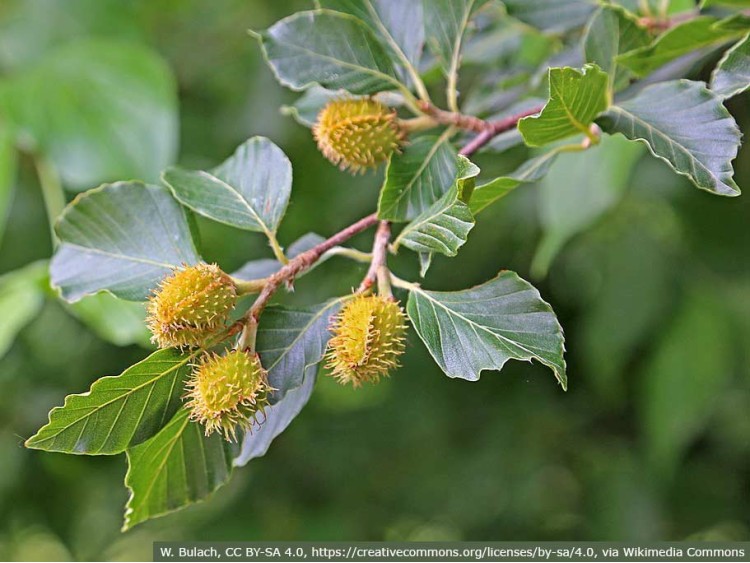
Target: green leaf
{"x":101,"y":110}
{"x":551,"y":15}
{"x":579,"y":189}
{"x":417,"y":178}
{"x":576,"y":98}
{"x":115,"y":320}
{"x":685,"y":125}
{"x":278,"y":417}
{"x":177,"y":467}
{"x":530,"y":171}
{"x":444,"y":227}
{"x":398,"y":24}
{"x":118,"y":412}
{"x":21,"y":298}
{"x":328,"y":48}
{"x":684,"y":38}
{"x":732,"y":75}
{"x":250,"y":190}
{"x":8,"y":164}
{"x":682,"y":380}
{"x":612,"y":31}
{"x":122,"y":238}
{"x":481,"y":328}
{"x":445,"y":24}
{"x":291,"y":342}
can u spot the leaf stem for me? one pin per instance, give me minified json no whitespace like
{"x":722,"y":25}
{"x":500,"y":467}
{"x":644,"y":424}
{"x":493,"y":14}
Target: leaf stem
{"x":52,"y":191}
{"x":278,"y":252}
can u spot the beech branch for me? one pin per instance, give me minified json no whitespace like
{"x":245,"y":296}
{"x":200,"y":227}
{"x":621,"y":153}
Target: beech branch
{"x":494,"y":128}
{"x":379,"y":256}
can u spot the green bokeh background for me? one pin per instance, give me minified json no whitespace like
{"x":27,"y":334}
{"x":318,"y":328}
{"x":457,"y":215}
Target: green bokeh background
{"x":651,"y":442}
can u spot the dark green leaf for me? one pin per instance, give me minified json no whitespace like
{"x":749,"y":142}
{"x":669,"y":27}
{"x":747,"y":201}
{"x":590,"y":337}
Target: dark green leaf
{"x":100,"y":110}
{"x":685,"y":125}
{"x":612,"y":31}
{"x":397,"y":23}
{"x":277,"y":418}
{"x":683,"y":379}
{"x":291,"y":342}
{"x":444,"y":227}
{"x":551,"y":15}
{"x":732,"y":75}
{"x":576,"y":98}
{"x":177,"y":467}
{"x":483,"y":327}
{"x":679,"y":40}
{"x":123,"y":238}
{"x":417,"y":178}
{"x":118,"y":412}
{"x":530,"y":171}
{"x":21,"y":298}
{"x":328,"y":48}
{"x":250,"y":190}
{"x":579,"y":189}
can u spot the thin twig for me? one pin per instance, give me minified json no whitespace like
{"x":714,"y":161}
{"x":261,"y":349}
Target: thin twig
{"x":379,"y":255}
{"x":287,"y":273}
{"x":460,"y":120}
{"x":494,"y":128}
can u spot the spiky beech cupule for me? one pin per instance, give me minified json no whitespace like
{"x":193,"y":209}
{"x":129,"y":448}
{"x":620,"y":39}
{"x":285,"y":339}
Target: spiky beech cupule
{"x":357,"y":134}
{"x":369,"y":334}
{"x":227,"y":393}
{"x":190,"y":305}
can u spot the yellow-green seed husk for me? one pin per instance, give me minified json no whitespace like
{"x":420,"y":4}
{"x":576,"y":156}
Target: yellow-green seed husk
{"x":369,"y":334}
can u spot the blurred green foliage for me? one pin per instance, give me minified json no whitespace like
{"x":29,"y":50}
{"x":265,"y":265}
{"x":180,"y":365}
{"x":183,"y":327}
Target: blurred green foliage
{"x":651,"y":442}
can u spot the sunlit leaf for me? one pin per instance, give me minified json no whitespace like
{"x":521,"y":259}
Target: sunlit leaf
{"x":118,"y":412}
{"x":576,"y":98}
{"x":684,"y":38}
{"x":177,"y":467}
{"x":21,"y":298}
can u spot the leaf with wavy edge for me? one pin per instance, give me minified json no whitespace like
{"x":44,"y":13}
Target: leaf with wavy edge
{"x":481,"y":328}
{"x":122,"y":238}
{"x":177,"y":467}
{"x":687,"y":126}
{"x":328,"y":48}
{"x":732,"y":75}
{"x":118,"y":412}
{"x":576,"y":98}
{"x":250,"y":190}
{"x":445,"y":226}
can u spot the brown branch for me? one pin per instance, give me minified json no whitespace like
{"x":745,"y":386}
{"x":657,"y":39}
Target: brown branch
{"x":289,"y":271}
{"x":494,"y":128}
{"x":468,"y":122}
{"x":379,"y":255}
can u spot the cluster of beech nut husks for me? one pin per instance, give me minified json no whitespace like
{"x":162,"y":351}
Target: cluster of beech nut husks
{"x":191,"y":308}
